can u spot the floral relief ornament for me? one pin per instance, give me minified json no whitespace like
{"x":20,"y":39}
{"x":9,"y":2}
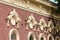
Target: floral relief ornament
{"x":13,"y":18}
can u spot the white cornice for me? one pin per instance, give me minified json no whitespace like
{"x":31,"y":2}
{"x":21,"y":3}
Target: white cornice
{"x":48,"y":3}
{"x":21,"y":7}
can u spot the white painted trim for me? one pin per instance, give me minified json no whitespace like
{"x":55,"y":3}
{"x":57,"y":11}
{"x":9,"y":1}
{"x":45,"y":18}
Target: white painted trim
{"x":42,"y":35}
{"x":57,"y":37}
{"x":50,"y":35}
{"x":29,"y":34}
{"x":17,"y":34}
{"x":20,"y":7}
{"x":13,"y":20}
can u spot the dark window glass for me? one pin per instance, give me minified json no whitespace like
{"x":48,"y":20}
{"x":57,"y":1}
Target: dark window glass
{"x":13,"y":36}
{"x":50,"y":38}
{"x":42,"y":38}
{"x":57,"y":39}
{"x":31,"y":37}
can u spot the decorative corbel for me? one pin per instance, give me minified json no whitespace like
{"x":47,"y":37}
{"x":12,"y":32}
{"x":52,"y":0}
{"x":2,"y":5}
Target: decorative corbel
{"x":13,"y":18}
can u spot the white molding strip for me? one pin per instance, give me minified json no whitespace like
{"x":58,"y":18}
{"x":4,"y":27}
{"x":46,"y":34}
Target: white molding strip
{"x":20,"y":7}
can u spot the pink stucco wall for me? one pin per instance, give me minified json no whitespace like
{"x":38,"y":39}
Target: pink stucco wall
{"x":23,"y":14}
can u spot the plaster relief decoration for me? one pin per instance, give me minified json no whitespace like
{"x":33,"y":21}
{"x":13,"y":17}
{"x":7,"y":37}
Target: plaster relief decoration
{"x":13,"y":18}
{"x":57,"y":26}
{"x":42,"y":23}
{"x":50,"y":25}
{"x":31,"y":21}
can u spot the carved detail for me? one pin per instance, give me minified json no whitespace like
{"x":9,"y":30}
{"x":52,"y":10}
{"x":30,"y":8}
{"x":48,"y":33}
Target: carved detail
{"x":13,"y":18}
{"x":31,"y":21}
{"x":50,"y":25}
{"x":42,"y":23}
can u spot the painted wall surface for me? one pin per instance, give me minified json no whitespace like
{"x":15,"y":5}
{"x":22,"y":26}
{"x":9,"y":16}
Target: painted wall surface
{"x":23,"y":33}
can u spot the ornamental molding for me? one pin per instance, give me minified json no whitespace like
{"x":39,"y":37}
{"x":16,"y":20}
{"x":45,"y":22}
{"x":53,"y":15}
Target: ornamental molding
{"x":31,"y":21}
{"x":42,"y":23}
{"x":13,"y":18}
{"x":50,"y":25}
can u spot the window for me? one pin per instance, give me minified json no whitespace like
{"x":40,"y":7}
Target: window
{"x":42,"y":38}
{"x":13,"y":35}
{"x":57,"y":38}
{"x":31,"y":36}
{"x":50,"y":38}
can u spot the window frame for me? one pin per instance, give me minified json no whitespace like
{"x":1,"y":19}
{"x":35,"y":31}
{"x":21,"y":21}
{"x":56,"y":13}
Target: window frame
{"x":17,"y":34}
{"x":31,"y":33}
{"x":42,"y":35}
{"x":50,"y":35}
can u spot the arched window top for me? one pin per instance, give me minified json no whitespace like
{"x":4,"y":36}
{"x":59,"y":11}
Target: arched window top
{"x":31,"y":36}
{"x":50,"y":37}
{"x":42,"y":36}
{"x":57,"y":38}
{"x":13,"y":34}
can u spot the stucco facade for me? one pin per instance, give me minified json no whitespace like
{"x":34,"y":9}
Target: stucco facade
{"x":25,"y":22}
